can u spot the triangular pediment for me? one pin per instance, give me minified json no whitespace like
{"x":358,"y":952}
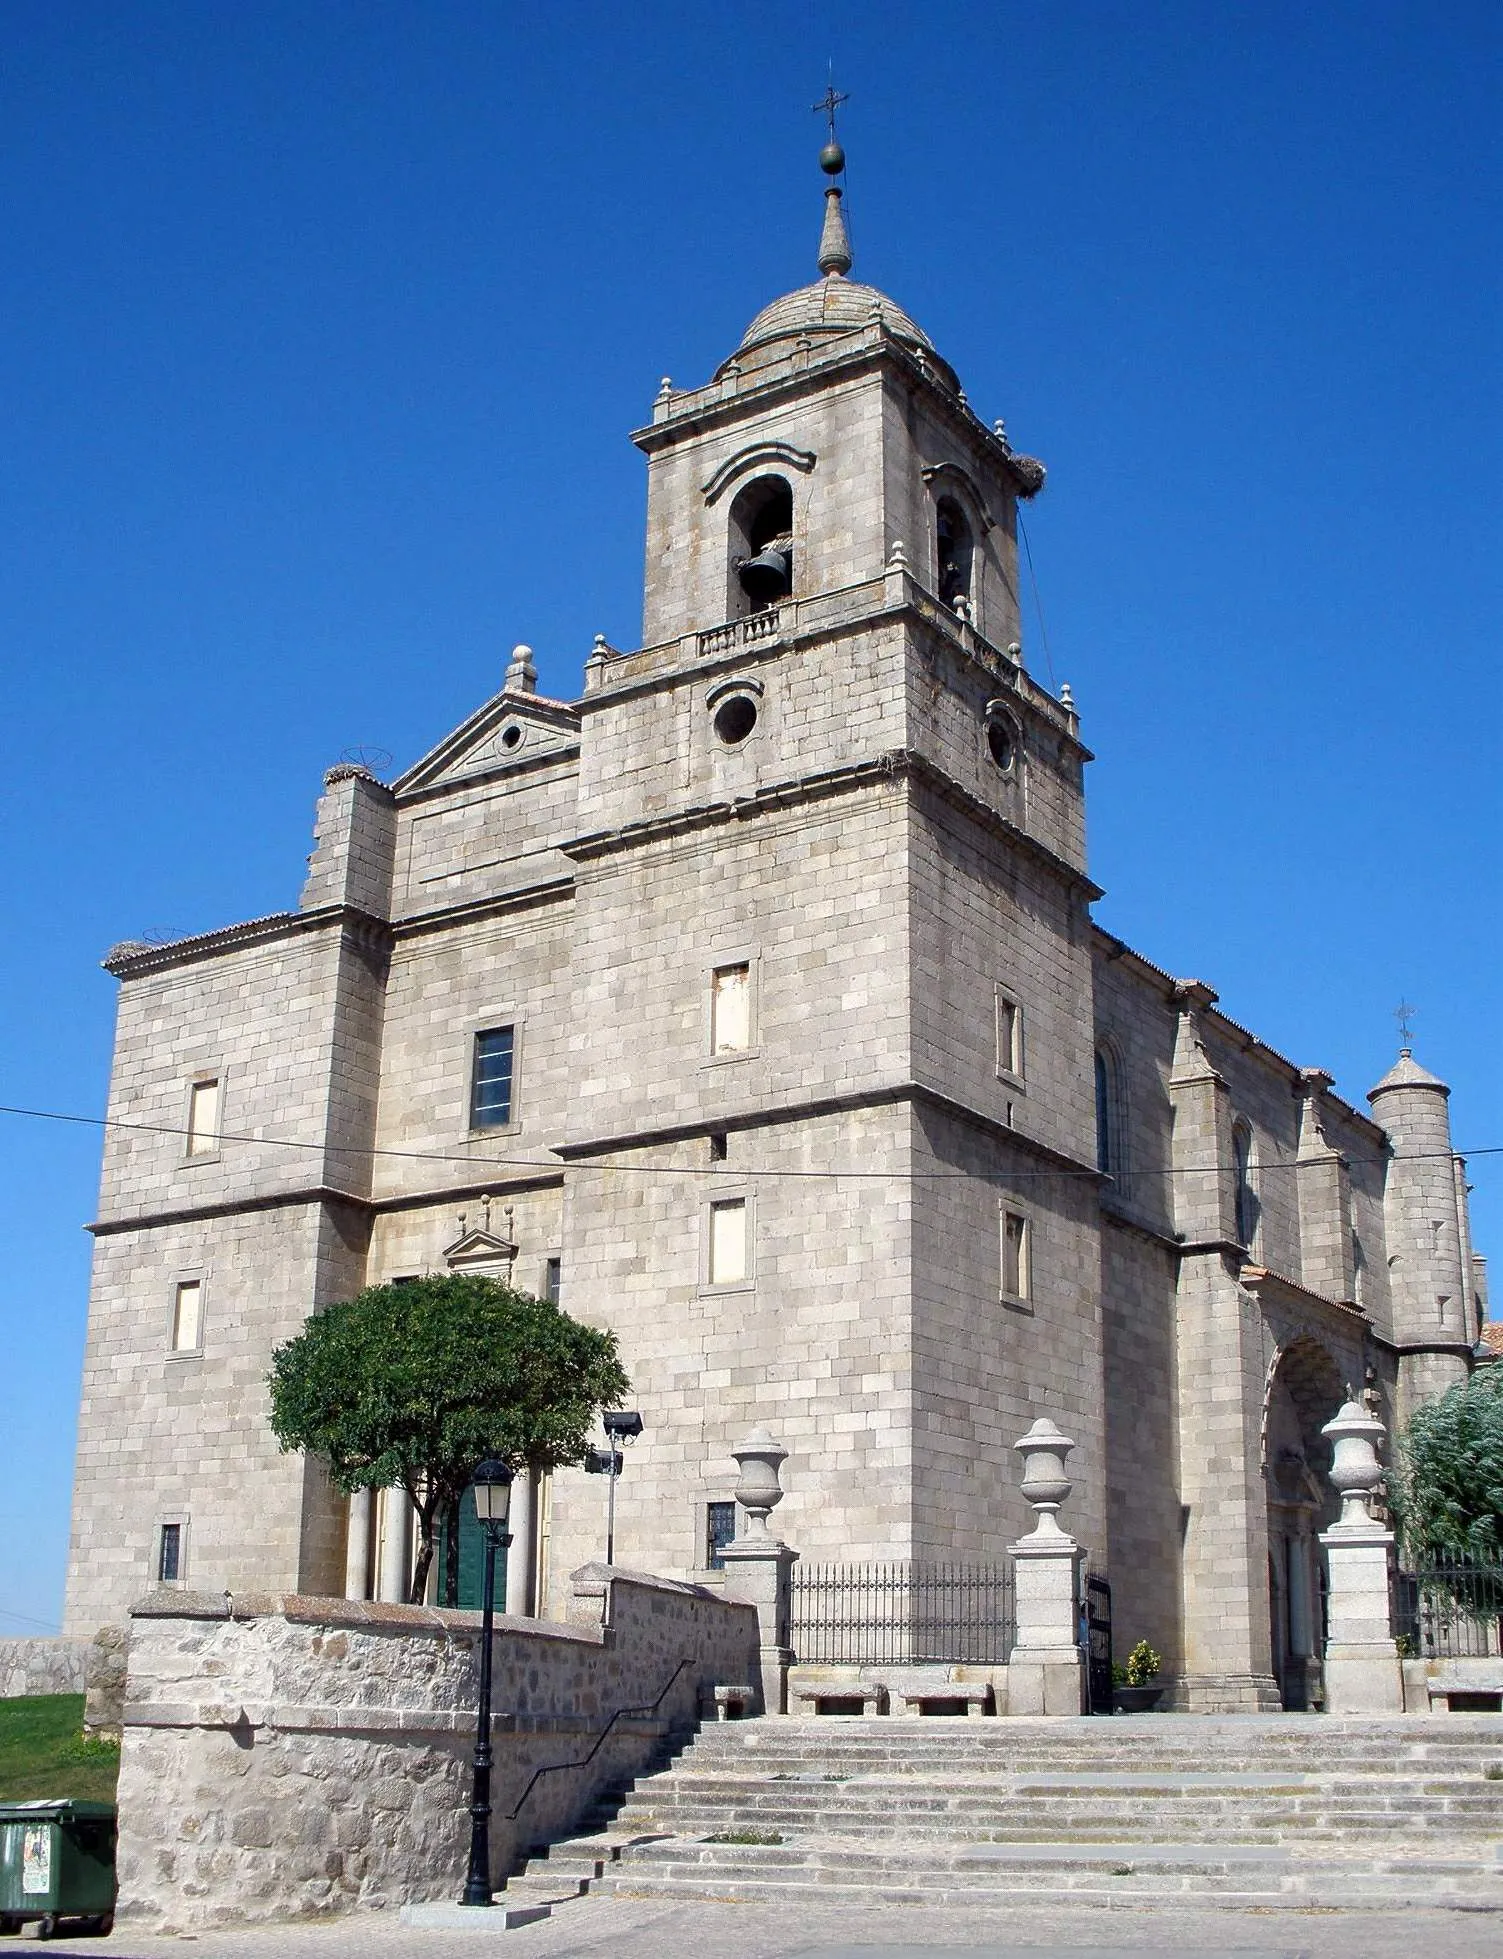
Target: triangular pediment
{"x":511,"y":731}
{"x":478,"y":1250}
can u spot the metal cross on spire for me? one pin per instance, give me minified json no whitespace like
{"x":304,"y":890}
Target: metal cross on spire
{"x":1403,"y":1013}
{"x":829,"y":103}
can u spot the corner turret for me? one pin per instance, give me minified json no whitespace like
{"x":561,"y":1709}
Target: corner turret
{"x":1425,"y":1228}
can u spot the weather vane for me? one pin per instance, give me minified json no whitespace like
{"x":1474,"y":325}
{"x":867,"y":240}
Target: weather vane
{"x":1403,"y":1013}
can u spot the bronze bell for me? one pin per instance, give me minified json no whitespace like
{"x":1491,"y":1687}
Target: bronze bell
{"x":768,"y":576}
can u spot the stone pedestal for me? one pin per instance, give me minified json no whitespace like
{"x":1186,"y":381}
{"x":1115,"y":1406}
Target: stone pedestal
{"x":759,"y":1569}
{"x":1046,"y":1671}
{"x":1362,"y":1669}
{"x":760,"y":1575}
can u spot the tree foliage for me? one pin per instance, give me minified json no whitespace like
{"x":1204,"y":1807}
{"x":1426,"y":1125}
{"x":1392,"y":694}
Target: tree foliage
{"x":1448,"y":1490}
{"x":412,"y":1385}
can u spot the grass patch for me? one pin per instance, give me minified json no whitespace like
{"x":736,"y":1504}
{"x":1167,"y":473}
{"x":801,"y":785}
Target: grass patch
{"x":746,"y":1836}
{"x":1494,"y":1772}
{"x":44,"y":1752}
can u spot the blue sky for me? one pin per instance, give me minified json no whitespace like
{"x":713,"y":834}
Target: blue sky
{"x":324,"y":327}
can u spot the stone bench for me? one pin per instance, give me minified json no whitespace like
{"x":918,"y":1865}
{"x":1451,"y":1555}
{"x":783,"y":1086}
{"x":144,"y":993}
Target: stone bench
{"x":918,"y":1696}
{"x":857,"y":1697}
{"x":731,"y":1703}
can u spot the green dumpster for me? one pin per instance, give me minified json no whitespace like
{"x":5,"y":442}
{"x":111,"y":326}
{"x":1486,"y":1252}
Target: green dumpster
{"x":57,"y":1861}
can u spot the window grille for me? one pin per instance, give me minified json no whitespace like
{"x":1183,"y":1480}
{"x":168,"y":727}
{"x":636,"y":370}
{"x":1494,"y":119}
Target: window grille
{"x":720,"y":1530}
{"x":491,"y":1083}
{"x":170,"y":1554}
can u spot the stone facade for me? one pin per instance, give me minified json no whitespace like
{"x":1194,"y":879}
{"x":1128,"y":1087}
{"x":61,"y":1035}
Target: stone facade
{"x":994,"y":1163}
{"x":287,"y":1757}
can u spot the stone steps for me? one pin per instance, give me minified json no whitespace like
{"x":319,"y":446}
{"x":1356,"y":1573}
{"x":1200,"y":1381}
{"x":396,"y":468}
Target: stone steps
{"x":1178,"y":1809}
{"x":1121,"y":1872}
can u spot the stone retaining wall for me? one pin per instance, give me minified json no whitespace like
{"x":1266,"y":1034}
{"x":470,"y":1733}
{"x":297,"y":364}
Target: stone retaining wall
{"x":42,"y":1666}
{"x":288,"y":1756}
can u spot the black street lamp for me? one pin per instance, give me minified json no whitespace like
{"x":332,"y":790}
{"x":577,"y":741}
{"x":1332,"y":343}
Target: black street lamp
{"x":621,"y":1425}
{"x":492,"y":1486}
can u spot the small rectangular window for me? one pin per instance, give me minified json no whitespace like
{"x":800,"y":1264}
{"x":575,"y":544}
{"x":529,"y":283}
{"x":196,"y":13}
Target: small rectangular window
{"x":170,"y":1554}
{"x":727,"y":1262}
{"x":1015,"y":1255}
{"x":203,"y":1118}
{"x":1009,"y":1036}
{"x":553,"y":1280}
{"x":730,"y":1009}
{"x":187,"y":1317}
{"x":720,"y":1530}
{"x":490,"y":1083}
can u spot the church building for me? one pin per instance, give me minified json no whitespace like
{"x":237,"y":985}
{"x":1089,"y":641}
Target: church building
{"x":751,"y":1004}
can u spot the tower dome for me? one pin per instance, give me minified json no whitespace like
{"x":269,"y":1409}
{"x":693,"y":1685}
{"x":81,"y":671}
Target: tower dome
{"x":834,"y":304}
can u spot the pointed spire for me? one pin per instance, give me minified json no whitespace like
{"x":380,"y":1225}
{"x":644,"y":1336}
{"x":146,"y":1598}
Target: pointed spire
{"x":834,"y":243}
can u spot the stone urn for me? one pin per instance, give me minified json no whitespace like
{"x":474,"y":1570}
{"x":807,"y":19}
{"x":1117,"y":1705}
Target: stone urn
{"x":1355,"y":1468}
{"x":759,"y":1490}
{"x":1046,"y":1482}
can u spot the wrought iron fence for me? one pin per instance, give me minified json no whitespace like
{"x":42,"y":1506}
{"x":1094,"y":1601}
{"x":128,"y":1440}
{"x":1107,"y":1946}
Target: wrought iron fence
{"x":1451,"y":1608}
{"x":909,"y":1612}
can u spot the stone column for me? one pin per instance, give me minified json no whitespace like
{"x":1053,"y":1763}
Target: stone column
{"x":357,"y":1545}
{"x":1046,"y":1671}
{"x":522,"y":1555}
{"x":1363,"y":1673}
{"x":394,"y":1558}
{"x":759,"y":1569}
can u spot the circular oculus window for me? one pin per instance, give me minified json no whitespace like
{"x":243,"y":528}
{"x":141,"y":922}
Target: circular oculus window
{"x":735,"y":718}
{"x":511,"y":736}
{"x":1002,"y":740}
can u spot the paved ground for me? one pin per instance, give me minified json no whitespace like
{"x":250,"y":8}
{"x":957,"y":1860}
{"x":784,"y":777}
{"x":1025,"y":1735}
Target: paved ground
{"x":605,"y":1928}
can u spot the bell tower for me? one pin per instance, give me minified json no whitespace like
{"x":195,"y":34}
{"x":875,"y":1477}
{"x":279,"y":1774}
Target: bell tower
{"x":834,"y":432}
{"x":830,"y":915}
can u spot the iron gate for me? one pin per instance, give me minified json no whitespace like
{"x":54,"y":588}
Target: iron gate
{"x":1096,"y":1614}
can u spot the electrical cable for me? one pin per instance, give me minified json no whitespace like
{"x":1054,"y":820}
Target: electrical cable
{"x":731,"y":1170}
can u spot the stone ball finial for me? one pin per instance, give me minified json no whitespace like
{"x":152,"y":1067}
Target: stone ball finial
{"x":1046,"y":1483}
{"x":897,"y":556}
{"x":759,"y":1492}
{"x":521,"y":674}
{"x":1355,"y":1468}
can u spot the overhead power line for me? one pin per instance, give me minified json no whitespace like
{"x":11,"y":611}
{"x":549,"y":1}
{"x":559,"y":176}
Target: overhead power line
{"x":1130,"y":1174}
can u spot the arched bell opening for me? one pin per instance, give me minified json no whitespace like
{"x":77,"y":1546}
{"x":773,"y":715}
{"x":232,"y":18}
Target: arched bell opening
{"x":1305,"y":1390}
{"x":954,"y":555}
{"x":761,"y":546}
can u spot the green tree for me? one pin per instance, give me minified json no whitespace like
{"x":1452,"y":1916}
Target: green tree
{"x":1447,"y":1492}
{"x":415,"y":1384}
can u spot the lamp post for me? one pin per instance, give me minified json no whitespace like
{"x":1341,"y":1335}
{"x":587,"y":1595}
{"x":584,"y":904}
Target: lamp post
{"x":620,"y":1425}
{"x":492,"y":1486}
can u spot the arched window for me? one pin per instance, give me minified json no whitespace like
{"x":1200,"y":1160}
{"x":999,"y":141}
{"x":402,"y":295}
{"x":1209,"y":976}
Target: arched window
{"x":1244,"y":1192}
{"x":1106,"y":1139}
{"x":954,"y":551}
{"x":761,"y":545}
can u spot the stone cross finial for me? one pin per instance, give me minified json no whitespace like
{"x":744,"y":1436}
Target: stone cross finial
{"x":759,"y":1492}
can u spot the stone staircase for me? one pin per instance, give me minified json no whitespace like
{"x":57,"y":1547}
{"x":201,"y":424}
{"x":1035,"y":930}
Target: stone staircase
{"x":1251,"y":1811}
